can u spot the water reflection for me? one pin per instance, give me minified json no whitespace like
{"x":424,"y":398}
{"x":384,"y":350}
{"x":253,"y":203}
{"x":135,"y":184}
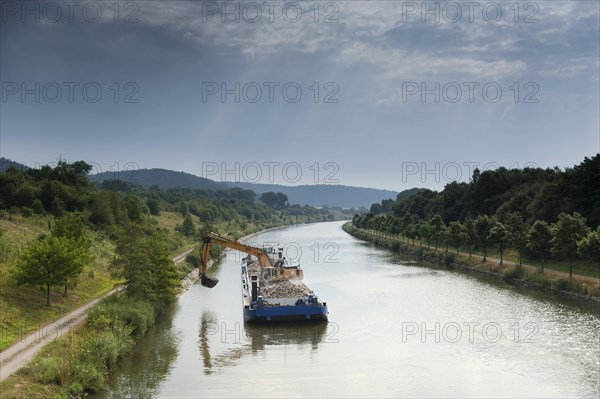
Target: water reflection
{"x":140,"y":373}
{"x":207,"y":324}
{"x":249,"y":339}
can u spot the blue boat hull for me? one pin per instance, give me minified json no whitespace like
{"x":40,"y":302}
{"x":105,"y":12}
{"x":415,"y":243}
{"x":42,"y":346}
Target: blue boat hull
{"x":286,"y":313}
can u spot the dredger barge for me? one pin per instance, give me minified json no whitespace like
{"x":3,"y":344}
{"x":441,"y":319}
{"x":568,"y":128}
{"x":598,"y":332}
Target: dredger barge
{"x":272,"y":289}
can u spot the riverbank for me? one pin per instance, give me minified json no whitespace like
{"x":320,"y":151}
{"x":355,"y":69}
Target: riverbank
{"x":384,"y":314}
{"x":121,"y":321}
{"x":579,"y":287}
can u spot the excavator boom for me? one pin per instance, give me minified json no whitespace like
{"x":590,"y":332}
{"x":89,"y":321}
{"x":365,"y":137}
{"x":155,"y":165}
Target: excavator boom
{"x":210,"y":238}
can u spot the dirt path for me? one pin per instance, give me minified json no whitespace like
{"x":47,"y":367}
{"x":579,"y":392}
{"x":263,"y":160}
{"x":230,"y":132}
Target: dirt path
{"x":20,"y":353}
{"x":533,"y":268}
{"x":180,"y":258}
{"x":497,"y":261}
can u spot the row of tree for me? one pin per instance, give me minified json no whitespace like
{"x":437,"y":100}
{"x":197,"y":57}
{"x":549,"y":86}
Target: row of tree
{"x":535,"y":193}
{"x":568,"y":238}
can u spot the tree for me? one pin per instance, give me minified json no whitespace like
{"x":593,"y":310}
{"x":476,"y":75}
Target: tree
{"x":49,"y":262}
{"x":456,"y":234}
{"x":153,"y":206}
{"x":412,"y":232}
{"x":481,"y":227}
{"x":567,"y":231}
{"x":183,"y":207}
{"x":476,"y":175}
{"x":142,"y":259}
{"x":405,"y":225}
{"x":188,"y":227}
{"x":539,"y":240}
{"x":438,"y":227}
{"x":133,"y":207}
{"x":500,"y":236}
{"x":471,"y":239}
{"x":165,"y":278}
{"x":72,"y":227}
{"x":101,"y":214}
{"x":518,"y":233}
{"x":425,"y":232}
{"x":589,"y":246}
{"x":274,"y":200}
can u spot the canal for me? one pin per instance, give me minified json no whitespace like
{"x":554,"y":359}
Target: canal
{"x":397,"y":328}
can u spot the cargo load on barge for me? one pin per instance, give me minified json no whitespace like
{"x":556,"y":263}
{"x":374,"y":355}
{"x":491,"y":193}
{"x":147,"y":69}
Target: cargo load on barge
{"x":272,"y":289}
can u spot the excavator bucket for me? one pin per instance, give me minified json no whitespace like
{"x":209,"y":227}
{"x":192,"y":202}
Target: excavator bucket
{"x":208,"y":282}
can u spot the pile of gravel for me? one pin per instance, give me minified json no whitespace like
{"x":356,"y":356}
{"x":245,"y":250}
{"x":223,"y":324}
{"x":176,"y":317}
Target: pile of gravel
{"x":277,"y":289}
{"x":284,"y":289}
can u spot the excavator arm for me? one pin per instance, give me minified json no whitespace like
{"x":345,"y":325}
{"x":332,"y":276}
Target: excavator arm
{"x":210,"y":238}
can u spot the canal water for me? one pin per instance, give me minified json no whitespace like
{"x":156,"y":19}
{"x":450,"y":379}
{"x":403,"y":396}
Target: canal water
{"x":396,"y":328}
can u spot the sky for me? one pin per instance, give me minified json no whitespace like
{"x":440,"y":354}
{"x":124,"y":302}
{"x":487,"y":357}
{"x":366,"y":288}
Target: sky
{"x":384,"y":94}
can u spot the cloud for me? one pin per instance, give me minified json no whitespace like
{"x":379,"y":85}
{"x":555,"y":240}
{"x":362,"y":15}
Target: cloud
{"x":380,"y":33}
{"x":397,"y":64}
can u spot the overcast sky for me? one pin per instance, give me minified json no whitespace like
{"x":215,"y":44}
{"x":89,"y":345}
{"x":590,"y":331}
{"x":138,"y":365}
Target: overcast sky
{"x":362,"y":118}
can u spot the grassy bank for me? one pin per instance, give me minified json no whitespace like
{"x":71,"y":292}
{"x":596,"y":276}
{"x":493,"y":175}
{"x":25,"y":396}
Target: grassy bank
{"x":23,"y":309}
{"x":582,"y":287}
{"x":81,"y":360}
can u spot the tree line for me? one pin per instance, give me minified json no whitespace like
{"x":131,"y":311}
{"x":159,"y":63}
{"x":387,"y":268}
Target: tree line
{"x":535,"y":193}
{"x":569,"y":238}
{"x":543,"y":213}
{"x":121,"y":210}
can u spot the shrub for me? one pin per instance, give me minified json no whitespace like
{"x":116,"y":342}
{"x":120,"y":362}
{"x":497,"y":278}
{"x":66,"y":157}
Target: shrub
{"x":38,"y":207}
{"x":76,"y":388}
{"x":539,"y":279}
{"x":560,"y":284}
{"x":48,"y":370}
{"x":26,"y":211}
{"x":449,"y":258}
{"x":87,"y":375}
{"x":137,"y":314}
{"x":103,"y":349}
{"x":567,"y":285}
{"x":193,"y":259}
{"x":516,"y":272}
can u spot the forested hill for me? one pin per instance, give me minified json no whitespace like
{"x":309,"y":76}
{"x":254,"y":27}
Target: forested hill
{"x":313,"y":195}
{"x":537,"y":194}
{"x":323,"y":194}
{"x":5,"y":164}
{"x":163,"y":178}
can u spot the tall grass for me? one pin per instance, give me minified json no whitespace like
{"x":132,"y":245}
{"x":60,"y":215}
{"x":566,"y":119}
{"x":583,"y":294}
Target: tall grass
{"x":80,"y":363}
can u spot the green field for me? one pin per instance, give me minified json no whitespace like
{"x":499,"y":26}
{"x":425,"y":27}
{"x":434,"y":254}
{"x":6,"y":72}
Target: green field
{"x":23,"y":309}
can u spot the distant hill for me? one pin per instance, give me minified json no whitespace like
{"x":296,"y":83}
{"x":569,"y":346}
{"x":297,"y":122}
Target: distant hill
{"x":408,"y":193}
{"x":163,"y":178}
{"x":6,"y":163}
{"x":323,"y":194}
{"x":314,"y":195}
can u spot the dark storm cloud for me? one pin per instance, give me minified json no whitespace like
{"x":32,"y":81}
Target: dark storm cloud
{"x":175,"y":47}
